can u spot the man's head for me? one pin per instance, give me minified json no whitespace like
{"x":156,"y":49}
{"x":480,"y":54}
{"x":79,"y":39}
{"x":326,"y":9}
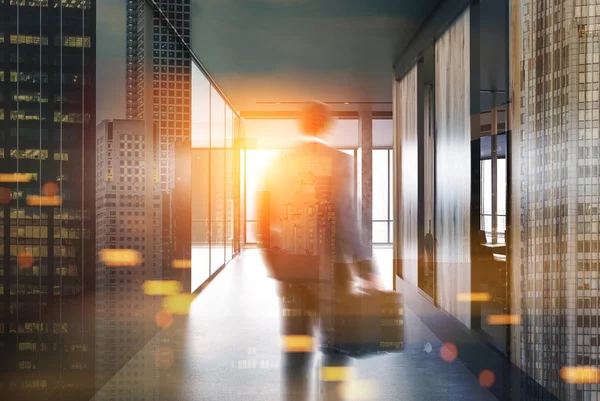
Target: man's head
{"x":314,"y":118}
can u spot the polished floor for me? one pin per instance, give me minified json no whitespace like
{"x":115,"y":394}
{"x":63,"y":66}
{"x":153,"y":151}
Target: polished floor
{"x":228,"y":348}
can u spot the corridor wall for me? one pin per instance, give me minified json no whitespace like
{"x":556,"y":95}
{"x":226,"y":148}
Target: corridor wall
{"x":453,"y":169}
{"x":406,"y":250}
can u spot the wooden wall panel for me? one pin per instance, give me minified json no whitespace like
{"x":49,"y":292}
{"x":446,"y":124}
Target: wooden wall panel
{"x":453,"y":168}
{"x":406,"y":196}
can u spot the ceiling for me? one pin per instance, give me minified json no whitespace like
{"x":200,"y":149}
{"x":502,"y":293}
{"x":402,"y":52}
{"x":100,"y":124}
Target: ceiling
{"x":261,"y":52}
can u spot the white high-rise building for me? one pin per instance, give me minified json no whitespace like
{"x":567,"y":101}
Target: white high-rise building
{"x":128,"y":214}
{"x":559,"y":191}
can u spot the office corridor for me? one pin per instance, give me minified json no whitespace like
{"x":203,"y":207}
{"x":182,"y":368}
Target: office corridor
{"x":228,"y":348}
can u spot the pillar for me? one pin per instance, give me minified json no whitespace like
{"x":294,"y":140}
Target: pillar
{"x":365,"y":124}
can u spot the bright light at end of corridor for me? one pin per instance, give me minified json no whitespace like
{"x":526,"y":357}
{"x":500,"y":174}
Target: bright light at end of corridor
{"x":580,"y":374}
{"x":474,"y":297}
{"x":120,"y":257}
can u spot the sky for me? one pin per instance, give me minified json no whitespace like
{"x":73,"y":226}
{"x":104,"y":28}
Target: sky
{"x":110,"y":64}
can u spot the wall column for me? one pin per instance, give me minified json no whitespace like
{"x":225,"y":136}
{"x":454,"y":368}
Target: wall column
{"x":365,"y":122}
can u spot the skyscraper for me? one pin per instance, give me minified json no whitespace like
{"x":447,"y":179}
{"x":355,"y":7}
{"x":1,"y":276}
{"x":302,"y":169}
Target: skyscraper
{"x":47,"y":120}
{"x":171,"y":72}
{"x":128,"y":206}
{"x":559,"y":171}
{"x":159,"y":87}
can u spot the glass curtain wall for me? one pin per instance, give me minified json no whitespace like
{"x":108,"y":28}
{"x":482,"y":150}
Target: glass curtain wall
{"x":213,"y":201}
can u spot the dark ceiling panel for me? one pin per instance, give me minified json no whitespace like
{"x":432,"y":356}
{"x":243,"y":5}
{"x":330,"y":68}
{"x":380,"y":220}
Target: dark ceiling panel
{"x":294,"y":50}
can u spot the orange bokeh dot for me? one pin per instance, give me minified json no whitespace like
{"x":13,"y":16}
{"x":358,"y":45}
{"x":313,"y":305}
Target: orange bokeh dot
{"x":163,"y":319}
{"x":5,"y":195}
{"x":448,"y":352}
{"x":50,"y":188}
{"x":487,"y":378}
{"x":25,"y":259}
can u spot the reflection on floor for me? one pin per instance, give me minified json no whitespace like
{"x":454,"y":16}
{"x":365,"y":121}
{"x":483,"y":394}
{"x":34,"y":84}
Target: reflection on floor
{"x":228,"y":348}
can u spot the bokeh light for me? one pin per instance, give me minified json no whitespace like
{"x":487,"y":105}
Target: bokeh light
{"x":580,"y":374}
{"x":448,"y":352}
{"x":297,"y":343}
{"x":474,"y":297}
{"x":503,"y":319}
{"x":163,"y":319}
{"x":337,"y":373}
{"x":487,"y":378}
{"x":5,"y":195}
{"x":120,"y":257}
{"x":178,"y":304}
{"x":15,"y":177}
{"x":37,"y":200}
{"x":50,"y":188}
{"x":181,"y":264}
{"x":161,"y":287}
{"x":25,"y":259}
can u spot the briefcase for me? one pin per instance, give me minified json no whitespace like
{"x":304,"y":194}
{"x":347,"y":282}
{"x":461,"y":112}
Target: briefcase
{"x":367,"y":323}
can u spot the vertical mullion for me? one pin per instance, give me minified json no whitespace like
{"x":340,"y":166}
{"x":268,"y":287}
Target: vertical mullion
{"x":209,"y":181}
{"x":224,"y":208}
{"x":389,"y":153}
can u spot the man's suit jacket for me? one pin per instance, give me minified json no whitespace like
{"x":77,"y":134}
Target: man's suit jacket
{"x":280,"y":181}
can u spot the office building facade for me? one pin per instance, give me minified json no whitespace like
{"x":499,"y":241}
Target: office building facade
{"x":170,"y":79}
{"x":47,"y":120}
{"x":128,"y":205}
{"x":559,"y":168}
{"x":158,"y":81}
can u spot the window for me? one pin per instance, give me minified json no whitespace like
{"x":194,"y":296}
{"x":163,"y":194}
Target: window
{"x":70,"y":117}
{"x":28,"y":40}
{"x":74,"y":41}
{"x":29,"y":3}
{"x":493,"y":222}
{"x":382,"y":196}
{"x":34,"y":154}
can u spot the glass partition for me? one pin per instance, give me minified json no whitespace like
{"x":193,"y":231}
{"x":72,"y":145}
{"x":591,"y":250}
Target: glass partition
{"x":201,"y":178}
{"x":217,"y":181}
{"x":213,"y":168}
{"x":229,"y":179}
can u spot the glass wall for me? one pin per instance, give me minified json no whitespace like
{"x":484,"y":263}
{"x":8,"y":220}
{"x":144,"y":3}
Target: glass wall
{"x":213,"y":200}
{"x":382,"y":196}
